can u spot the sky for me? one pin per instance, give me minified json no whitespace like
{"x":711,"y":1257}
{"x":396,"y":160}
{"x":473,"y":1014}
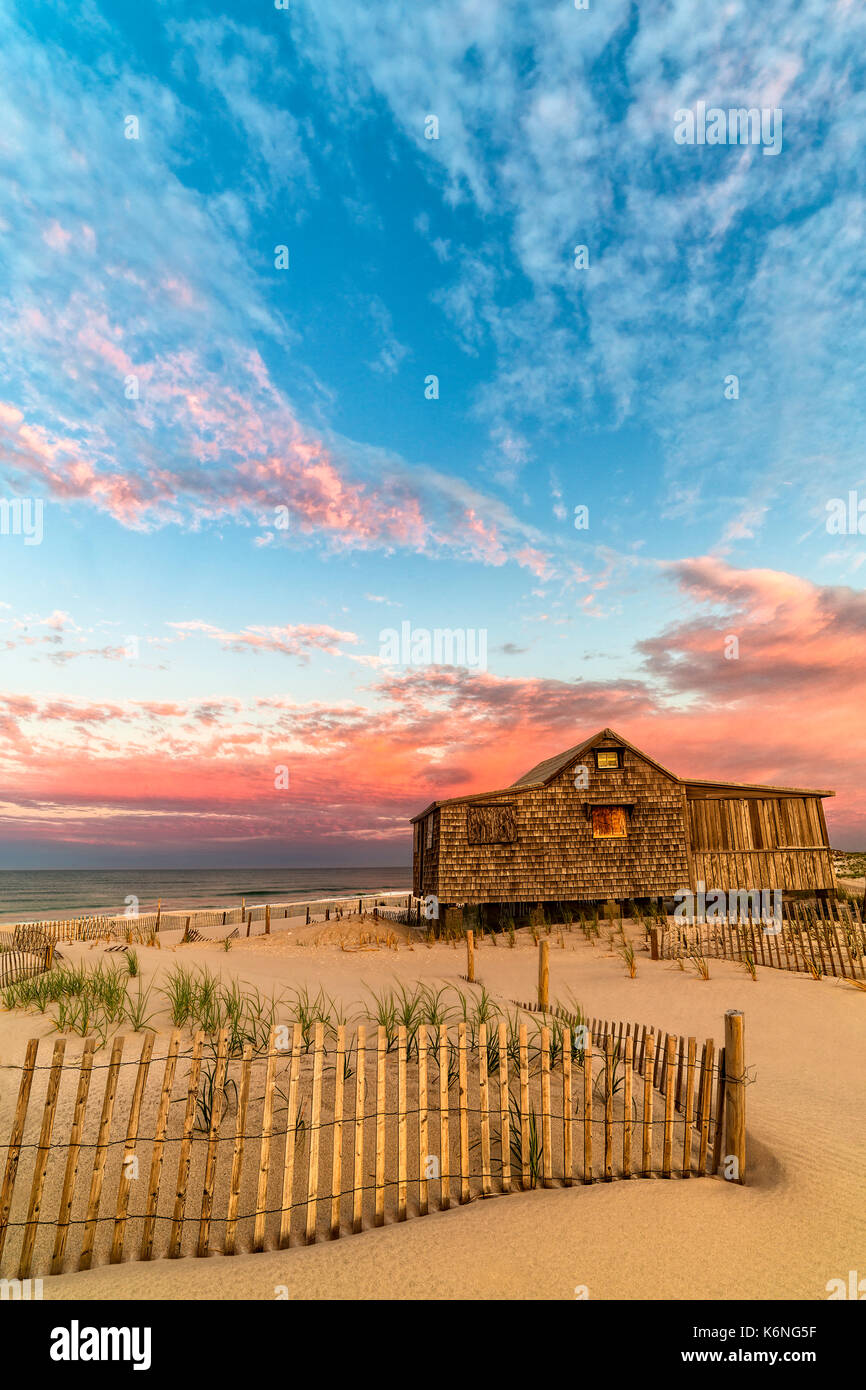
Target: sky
{"x":320,"y":320}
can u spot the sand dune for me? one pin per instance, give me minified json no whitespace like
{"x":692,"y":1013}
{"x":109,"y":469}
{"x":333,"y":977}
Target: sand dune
{"x":796,"y":1224}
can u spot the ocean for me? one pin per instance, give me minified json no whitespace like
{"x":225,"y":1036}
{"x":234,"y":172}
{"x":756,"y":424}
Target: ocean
{"x":28,"y":895}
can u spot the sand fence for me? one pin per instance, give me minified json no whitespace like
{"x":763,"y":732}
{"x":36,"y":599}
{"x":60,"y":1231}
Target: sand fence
{"x":395,"y":905}
{"x":816,"y":941}
{"x":23,"y":953}
{"x":180,"y":1149}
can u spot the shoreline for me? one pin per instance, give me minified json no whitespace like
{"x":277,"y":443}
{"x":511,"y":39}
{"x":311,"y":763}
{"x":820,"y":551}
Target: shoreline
{"x":233,"y":913}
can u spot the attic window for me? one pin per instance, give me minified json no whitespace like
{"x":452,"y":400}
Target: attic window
{"x":609,"y":823}
{"x":608,"y":757}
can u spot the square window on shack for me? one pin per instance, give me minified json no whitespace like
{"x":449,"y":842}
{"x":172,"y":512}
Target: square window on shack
{"x":608,"y":823}
{"x":607,"y":757}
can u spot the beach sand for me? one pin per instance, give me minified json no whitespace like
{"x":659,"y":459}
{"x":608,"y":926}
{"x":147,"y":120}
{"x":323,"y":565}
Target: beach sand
{"x":797,"y":1223}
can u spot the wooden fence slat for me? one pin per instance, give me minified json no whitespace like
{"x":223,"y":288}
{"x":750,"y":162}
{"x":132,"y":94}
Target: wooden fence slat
{"x":691,"y":1059}
{"x":626,"y":1100}
{"x":608,"y":1107}
{"x":504,"y":1109}
{"x":706,"y":1087}
{"x":216,"y":1113}
{"x":261,"y":1215}
{"x":292,"y":1127}
{"x":315,"y":1133}
{"x":156,"y":1159}
{"x":587,"y":1111}
{"x":129,"y":1160}
{"x":667,"y":1151}
{"x":100,"y":1155}
{"x":381,"y":1062}
{"x":735,"y":1091}
{"x":484,"y":1103}
{"x":402,"y":1192}
{"x":43,"y":1152}
{"x":546,"y":1160}
{"x":238,"y":1151}
{"x":567,"y":1136}
{"x":463,"y":1101}
{"x":444,"y":1136}
{"x":647,"y":1146}
{"x":819,"y":939}
{"x":176,"y":1235}
{"x":719,"y":1122}
{"x":73,"y":1154}
{"x":360,"y":1103}
{"x":526,"y":1177}
{"x":661,"y":1056}
{"x":13,"y":1152}
{"x":423,"y":1143}
{"x":337,"y":1150}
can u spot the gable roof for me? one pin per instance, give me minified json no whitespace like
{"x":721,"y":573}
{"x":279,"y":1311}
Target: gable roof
{"x":549,"y":768}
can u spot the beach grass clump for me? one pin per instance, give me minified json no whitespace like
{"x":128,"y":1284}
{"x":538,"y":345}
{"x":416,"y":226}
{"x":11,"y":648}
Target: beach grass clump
{"x":212,"y":1100}
{"x":179,"y":991}
{"x":432,"y":1007}
{"x":383,"y":1012}
{"x":136,"y":1007}
{"x":532,"y":1153}
{"x":628,"y":955}
{"x":700,"y":964}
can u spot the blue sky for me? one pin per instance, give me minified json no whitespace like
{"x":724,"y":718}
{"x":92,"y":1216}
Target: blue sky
{"x":154,"y":258}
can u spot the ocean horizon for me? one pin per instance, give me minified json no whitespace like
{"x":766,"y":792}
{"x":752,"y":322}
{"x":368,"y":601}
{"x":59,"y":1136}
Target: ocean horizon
{"x":28,"y":895}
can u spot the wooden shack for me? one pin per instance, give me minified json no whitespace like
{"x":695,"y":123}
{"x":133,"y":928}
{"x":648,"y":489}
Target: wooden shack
{"x":604,"y":820}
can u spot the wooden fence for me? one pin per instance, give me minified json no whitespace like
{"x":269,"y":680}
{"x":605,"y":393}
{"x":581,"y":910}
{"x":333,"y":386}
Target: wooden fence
{"x":396,"y":905}
{"x":195,"y":1151}
{"x":18,"y":964}
{"x":812,"y":942}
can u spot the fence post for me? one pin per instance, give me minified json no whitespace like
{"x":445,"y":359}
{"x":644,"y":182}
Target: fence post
{"x":267,"y":919}
{"x":735,"y":1092}
{"x":654,"y":943}
{"x":470,"y":957}
{"x":543,"y":973}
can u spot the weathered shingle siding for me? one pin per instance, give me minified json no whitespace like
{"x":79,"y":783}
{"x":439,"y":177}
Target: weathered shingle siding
{"x":555,"y":856}
{"x":679,"y":834}
{"x":425,"y":862}
{"x":652,"y":859}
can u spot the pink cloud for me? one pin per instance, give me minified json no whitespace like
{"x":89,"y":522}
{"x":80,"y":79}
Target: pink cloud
{"x":296,"y":639}
{"x":155,"y":772}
